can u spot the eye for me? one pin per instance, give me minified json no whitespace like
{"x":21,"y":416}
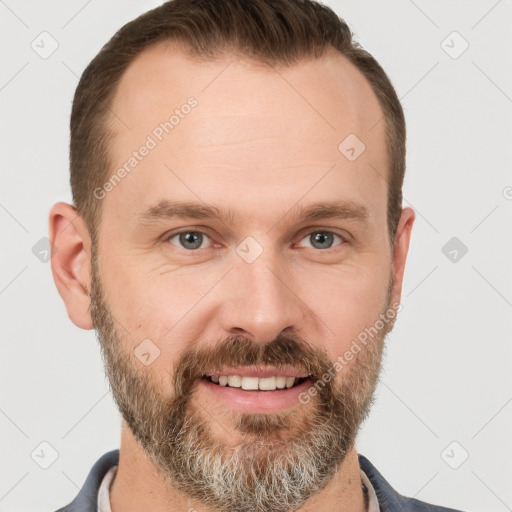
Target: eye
{"x":189,"y":240}
{"x":322,"y":239}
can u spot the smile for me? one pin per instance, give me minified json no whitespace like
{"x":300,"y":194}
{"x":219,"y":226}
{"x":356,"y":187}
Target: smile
{"x":256,"y":390}
{"x":254,"y":383}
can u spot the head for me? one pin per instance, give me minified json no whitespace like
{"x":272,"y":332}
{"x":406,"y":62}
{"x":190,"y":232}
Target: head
{"x":236,"y":170}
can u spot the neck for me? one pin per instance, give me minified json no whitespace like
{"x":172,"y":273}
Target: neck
{"x":139,"y":485}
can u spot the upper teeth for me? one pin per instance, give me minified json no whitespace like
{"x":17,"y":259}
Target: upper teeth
{"x":252,"y":383}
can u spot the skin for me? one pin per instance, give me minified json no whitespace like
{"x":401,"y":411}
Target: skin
{"x":260,"y":141}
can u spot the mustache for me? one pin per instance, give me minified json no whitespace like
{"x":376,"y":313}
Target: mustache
{"x":237,"y":351}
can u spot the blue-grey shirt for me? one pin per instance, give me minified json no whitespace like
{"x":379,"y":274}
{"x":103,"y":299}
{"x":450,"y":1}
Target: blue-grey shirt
{"x":389,"y":500}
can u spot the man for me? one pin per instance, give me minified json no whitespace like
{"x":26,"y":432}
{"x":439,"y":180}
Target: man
{"x":238,"y":242}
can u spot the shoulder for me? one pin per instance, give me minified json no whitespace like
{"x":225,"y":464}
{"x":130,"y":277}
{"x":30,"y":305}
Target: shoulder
{"x":87,"y":499}
{"x":389,"y":499}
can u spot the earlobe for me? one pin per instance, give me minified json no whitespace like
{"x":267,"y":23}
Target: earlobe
{"x":70,"y":262}
{"x":400,"y":250}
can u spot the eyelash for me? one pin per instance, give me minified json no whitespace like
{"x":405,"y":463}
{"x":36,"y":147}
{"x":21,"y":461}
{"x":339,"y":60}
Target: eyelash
{"x":169,"y":237}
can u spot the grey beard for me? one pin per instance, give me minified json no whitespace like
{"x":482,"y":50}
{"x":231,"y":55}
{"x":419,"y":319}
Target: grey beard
{"x":255,"y":476}
{"x":282,"y":460}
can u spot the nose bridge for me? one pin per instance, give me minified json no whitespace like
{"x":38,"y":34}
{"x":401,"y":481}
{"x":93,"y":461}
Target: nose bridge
{"x":260,"y":302}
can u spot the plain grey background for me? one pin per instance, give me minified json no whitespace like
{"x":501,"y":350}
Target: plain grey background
{"x":440,"y":427}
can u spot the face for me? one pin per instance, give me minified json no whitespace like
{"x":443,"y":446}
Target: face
{"x":279,"y":284}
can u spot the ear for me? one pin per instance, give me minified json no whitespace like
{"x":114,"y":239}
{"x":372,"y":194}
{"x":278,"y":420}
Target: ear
{"x":400,"y":250}
{"x":70,"y":261}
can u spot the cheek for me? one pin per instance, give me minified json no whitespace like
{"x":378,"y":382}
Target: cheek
{"x":347,"y":302}
{"x":145,"y":304}
{"x":163,"y":313}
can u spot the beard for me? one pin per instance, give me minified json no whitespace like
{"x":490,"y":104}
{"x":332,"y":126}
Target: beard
{"x":281,"y":459}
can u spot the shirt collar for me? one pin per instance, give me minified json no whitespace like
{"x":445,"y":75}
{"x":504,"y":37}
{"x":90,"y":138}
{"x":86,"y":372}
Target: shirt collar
{"x":108,"y":479}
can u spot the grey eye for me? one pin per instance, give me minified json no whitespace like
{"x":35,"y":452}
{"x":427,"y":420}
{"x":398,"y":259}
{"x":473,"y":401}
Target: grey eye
{"x":189,"y":239}
{"x":321,"y":239}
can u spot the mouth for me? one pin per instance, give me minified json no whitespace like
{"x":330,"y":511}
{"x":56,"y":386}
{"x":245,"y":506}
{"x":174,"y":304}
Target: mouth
{"x":255,"y":390}
{"x":255,"y":383}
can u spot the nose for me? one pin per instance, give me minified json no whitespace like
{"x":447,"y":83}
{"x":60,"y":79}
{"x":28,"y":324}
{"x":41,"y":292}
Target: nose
{"x":260,"y":300}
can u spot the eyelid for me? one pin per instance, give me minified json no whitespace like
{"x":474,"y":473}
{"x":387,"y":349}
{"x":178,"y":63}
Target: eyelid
{"x":309,"y":232}
{"x":167,"y":237}
{"x":303,"y":234}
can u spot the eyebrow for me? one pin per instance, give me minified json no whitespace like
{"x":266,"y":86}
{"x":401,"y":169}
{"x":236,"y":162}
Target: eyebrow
{"x":166,"y":210}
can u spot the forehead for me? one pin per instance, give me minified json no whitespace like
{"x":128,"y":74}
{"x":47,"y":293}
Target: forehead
{"x":330,"y":90}
{"x":255,"y":132}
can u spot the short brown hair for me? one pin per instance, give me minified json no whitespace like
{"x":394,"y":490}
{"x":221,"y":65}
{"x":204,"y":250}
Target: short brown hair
{"x":277,"y":32}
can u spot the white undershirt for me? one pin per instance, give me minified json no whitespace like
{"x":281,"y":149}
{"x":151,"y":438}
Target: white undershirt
{"x":104,"y":492}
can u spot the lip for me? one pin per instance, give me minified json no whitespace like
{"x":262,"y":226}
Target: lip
{"x":248,"y":371}
{"x":256,"y":401}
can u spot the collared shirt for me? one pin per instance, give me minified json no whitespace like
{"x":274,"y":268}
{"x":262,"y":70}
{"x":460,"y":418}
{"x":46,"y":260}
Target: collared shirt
{"x":104,"y":492}
{"x":388,"y":500}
